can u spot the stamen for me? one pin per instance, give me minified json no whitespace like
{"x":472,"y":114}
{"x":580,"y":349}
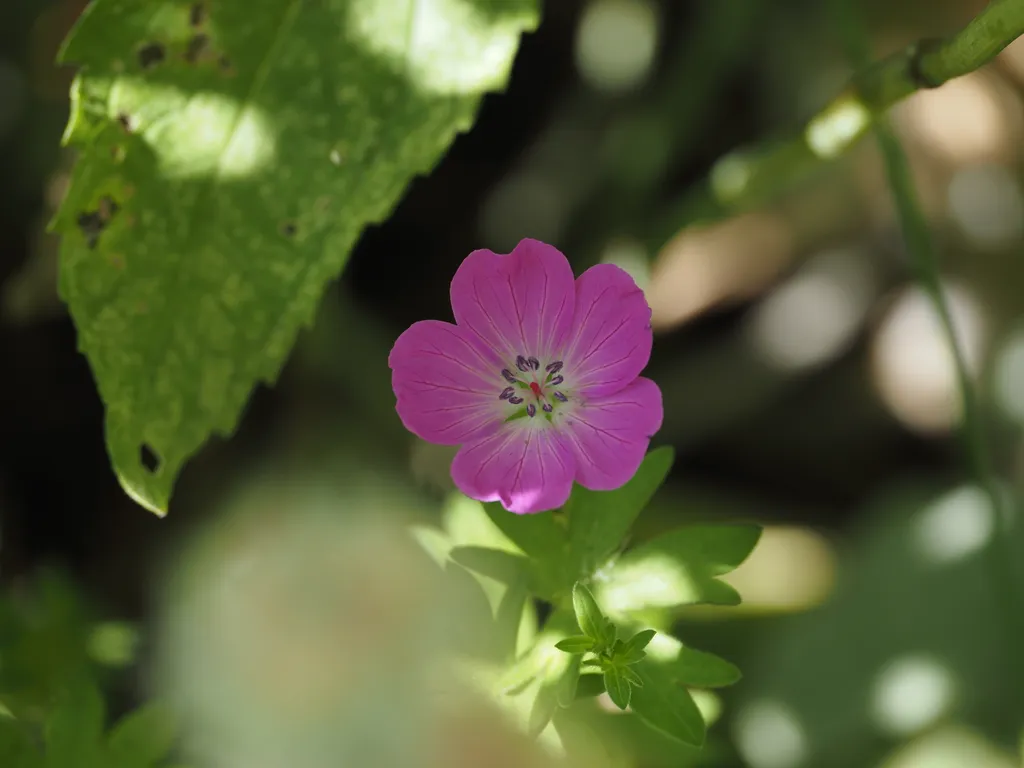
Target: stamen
{"x":531,"y":410}
{"x":534,"y":362}
{"x":548,"y":407}
{"x":515,"y":400}
{"x":561,"y":397}
{"x":557,"y":380}
{"x":522,"y":364}
{"x":508,"y":376}
{"x":506,"y":393}
{"x":554,"y":367}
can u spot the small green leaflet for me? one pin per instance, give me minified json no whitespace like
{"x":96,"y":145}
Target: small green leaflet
{"x":229,"y":156}
{"x":592,"y":622}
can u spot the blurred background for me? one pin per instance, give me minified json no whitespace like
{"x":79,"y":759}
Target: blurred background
{"x":807,"y":387}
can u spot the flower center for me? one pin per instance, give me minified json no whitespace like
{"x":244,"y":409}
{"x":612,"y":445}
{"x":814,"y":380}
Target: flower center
{"x":531,"y":386}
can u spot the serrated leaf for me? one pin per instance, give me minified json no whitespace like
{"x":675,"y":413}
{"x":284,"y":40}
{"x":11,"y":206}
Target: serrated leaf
{"x":679,"y":568}
{"x":228,"y":161}
{"x":74,"y":728}
{"x":575,"y":644}
{"x":16,"y":747}
{"x":592,"y":622}
{"x":143,"y":737}
{"x":619,"y":689}
{"x":666,"y":705}
{"x":600,"y":520}
{"x":633,"y":649}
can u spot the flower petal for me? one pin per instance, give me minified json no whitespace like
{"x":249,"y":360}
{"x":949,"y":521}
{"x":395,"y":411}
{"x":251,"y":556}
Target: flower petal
{"x":447,"y":388}
{"x":611,"y":333}
{"x":609,"y":435}
{"x":520,"y":303}
{"x":528,"y":469}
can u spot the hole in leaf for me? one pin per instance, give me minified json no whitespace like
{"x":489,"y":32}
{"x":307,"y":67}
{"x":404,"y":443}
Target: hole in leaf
{"x":151,"y":54}
{"x":91,"y":224}
{"x":289,"y":229}
{"x":149,"y":458}
{"x":197,"y":15}
{"x":196,"y":47}
{"x":125,"y":121}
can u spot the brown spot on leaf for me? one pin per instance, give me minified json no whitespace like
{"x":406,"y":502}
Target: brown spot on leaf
{"x":92,"y":223}
{"x":288,"y":229}
{"x":197,"y":46}
{"x":125,"y":121}
{"x":151,"y":54}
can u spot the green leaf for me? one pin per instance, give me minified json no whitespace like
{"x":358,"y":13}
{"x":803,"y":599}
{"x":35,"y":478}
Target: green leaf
{"x":699,"y":669}
{"x":228,"y":160}
{"x":74,"y":729}
{"x":16,"y":747}
{"x":543,"y":709}
{"x":143,"y":737}
{"x":589,"y":685}
{"x":667,"y":706}
{"x":619,"y":689}
{"x":599,"y":521}
{"x":567,"y":685}
{"x":679,"y":568}
{"x":509,"y":616}
{"x":588,"y":615}
{"x":575,"y":644}
{"x":631,"y":677}
{"x":633,"y":649}
{"x":539,"y":536}
{"x":497,"y":564}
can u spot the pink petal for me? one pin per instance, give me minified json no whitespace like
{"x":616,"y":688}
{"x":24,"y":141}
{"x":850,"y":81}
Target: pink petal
{"x":609,"y":435}
{"x":447,"y":388}
{"x":519,"y":304}
{"x":611,"y":332}
{"x":528,"y":469}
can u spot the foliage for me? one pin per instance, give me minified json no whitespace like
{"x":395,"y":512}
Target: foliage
{"x":580,"y":545}
{"x":228,"y":160}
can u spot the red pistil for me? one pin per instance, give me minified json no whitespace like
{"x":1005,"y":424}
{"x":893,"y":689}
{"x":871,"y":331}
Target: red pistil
{"x":535,"y":388}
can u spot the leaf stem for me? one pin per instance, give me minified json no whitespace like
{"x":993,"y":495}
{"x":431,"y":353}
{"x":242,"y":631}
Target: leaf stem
{"x":1006,"y":584}
{"x":753,"y":175}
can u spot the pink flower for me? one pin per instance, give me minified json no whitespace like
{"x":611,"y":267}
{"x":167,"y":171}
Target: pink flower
{"x":538,"y":380}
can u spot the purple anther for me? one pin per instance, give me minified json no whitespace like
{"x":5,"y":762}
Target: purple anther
{"x":534,"y":362}
{"x":559,"y":396}
{"x":531,"y":410}
{"x":515,"y":400}
{"x":557,"y":380}
{"x":508,"y":376}
{"x":506,"y":393}
{"x":548,"y":407}
{"x":554,"y":367}
{"x":522,"y":364}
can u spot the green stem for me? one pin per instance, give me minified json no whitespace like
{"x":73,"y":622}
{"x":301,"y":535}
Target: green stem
{"x":754,"y":175}
{"x":1006,"y":584}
